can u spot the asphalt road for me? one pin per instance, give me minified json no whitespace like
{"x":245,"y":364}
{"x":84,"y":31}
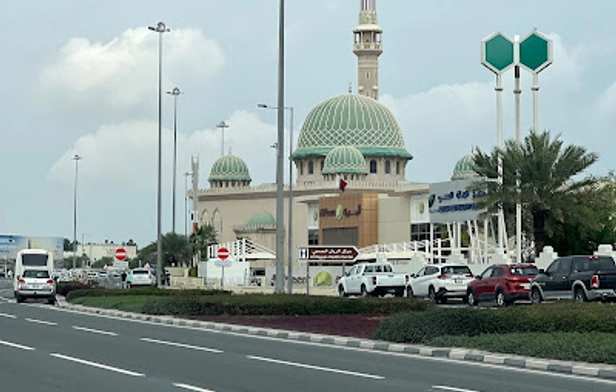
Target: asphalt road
{"x":45,"y":348}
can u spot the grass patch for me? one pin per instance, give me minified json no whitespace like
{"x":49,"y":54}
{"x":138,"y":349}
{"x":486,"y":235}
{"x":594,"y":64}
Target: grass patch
{"x":125,"y":303}
{"x":594,"y":347}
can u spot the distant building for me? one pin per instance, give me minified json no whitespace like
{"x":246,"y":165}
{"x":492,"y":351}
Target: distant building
{"x":96,"y":252}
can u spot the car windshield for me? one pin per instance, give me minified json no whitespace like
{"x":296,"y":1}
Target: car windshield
{"x":520,"y":271}
{"x":40,"y":274}
{"x":456,"y":270}
{"x":140,"y":272}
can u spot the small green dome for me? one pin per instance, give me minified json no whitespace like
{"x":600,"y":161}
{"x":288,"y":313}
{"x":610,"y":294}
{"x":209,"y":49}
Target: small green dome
{"x":229,"y":167}
{"x":344,"y":159}
{"x":351,"y":120}
{"x":465,"y":168}
{"x":261,"y":219}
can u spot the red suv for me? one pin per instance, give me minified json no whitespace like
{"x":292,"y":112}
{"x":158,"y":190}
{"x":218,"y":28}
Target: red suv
{"x":503,"y":283}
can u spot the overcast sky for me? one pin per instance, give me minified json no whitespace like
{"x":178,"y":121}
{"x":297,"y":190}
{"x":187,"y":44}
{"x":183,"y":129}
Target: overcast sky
{"x":80,"y":77}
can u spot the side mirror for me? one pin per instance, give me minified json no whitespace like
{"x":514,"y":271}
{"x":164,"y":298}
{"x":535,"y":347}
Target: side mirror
{"x":542,"y":271}
{"x":478,"y":277}
{"x":413,"y":275}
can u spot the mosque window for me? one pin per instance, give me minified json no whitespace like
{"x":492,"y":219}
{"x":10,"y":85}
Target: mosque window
{"x":397,"y":167}
{"x":310,"y":167}
{"x":322,"y":164}
{"x":387,"y":167}
{"x":301,"y":168}
{"x":367,"y":75}
{"x":373,"y":167}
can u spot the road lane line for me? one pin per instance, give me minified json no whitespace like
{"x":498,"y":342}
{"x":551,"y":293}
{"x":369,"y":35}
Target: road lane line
{"x":7,"y":315}
{"x":95,"y":331}
{"x":301,"y":365}
{"x":191,"y":388}
{"x":452,"y":389}
{"x":16,"y":345}
{"x":212,"y":350}
{"x":41,"y":322}
{"x":98,"y":365}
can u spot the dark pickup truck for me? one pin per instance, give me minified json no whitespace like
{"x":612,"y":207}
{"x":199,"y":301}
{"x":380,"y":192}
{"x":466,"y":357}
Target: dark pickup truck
{"x":583,"y":278}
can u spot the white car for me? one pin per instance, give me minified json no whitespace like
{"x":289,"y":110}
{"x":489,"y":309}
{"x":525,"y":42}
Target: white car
{"x":141,"y":277}
{"x":35,"y":283}
{"x":439,"y":282}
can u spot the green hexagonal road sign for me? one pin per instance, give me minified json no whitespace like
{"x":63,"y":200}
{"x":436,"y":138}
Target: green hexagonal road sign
{"x":536,"y":52}
{"x":497,"y":53}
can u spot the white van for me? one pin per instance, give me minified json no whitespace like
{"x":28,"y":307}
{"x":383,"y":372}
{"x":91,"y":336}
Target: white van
{"x":34,"y":275}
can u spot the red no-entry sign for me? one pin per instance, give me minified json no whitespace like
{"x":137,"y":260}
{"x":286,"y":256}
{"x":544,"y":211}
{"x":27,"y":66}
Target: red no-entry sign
{"x":120,"y":254}
{"x":222,"y":253}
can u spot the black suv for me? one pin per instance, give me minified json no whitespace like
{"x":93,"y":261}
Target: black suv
{"x":583,"y":278}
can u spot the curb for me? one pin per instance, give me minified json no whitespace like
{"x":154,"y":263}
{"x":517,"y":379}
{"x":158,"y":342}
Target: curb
{"x":602,"y":371}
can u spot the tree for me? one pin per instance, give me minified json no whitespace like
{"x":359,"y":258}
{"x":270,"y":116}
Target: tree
{"x":176,"y":249}
{"x":202,"y":238}
{"x":549,"y":194}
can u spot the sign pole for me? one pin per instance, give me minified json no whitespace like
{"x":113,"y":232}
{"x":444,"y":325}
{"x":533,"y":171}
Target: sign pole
{"x":307,"y":277}
{"x":499,"y":138}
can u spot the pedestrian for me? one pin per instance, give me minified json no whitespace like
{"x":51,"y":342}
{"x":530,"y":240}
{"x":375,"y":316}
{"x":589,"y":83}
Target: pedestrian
{"x":123,"y":277}
{"x":10,"y":274}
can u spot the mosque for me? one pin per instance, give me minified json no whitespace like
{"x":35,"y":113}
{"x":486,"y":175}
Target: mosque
{"x":353,"y":137}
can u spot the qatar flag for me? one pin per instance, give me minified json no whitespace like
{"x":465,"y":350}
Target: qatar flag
{"x":340,"y":183}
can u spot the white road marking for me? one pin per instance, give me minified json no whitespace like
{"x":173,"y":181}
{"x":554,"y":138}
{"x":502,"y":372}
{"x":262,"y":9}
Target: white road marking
{"x":452,"y":389}
{"x":191,"y":388}
{"x":95,"y":331}
{"x":7,"y":315}
{"x":301,"y":365}
{"x":98,"y":365}
{"x":16,"y":345}
{"x":41,"y":322}
{"x":212,"y":350}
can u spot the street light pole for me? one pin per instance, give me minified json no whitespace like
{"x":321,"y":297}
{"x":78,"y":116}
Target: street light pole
{"x":160,"y":28}
{"x":290,"y":219}
{"x":222,"y":125}
{"x":76,"y":158}
{"x":175,"y":92}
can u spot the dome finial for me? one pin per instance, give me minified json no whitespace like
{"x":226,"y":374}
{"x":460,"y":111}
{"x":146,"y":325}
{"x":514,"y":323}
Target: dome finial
{"x":350,"y":87}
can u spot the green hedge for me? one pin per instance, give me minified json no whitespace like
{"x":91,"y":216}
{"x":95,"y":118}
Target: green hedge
{"x":421,"y":327}
{"x":143,"y":291}
{"x":280,"y":304}
{"x":567,"y":346}
{"x":64,"y":288}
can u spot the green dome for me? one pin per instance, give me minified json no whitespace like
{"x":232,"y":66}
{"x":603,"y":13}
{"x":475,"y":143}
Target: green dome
{"x":261,"y":219}
{"x":344,"y":159}
{"x":465,"y":168}
{"x":229,"y":167}
{"x":351,"y":120}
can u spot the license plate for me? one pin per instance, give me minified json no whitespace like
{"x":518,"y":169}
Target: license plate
{"x":458,"y":280}
{"x":525,"y":285}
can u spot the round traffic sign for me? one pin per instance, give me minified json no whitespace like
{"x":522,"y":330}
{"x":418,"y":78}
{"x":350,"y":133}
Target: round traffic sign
{"x":222,"y":253}
{"x":120,"y":254}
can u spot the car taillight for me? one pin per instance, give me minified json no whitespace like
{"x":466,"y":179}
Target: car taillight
{"x":21,"y":281}
{"x":50,"y":281}
{"x":594,"y":282}
{"x":443,"y":276}
{"x":374,"y":280}
{"x":469,"y":275}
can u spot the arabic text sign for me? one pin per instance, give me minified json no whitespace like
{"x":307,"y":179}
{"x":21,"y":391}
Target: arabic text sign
{"x":452,"y":201}
{"x":328,"y":253}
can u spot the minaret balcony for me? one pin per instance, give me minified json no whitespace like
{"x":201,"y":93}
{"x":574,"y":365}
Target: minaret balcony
{"x":365,"y":46}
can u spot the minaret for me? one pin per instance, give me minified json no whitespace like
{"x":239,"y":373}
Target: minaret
{"x":368,"y":47}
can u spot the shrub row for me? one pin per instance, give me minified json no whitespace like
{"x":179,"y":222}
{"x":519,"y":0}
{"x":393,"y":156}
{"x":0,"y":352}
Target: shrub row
{"x":64,"y":288}
{"x":280,"y":304}
{"x":566,"y":346}
{"x":141,"y":291}
{"x":421,"y":327}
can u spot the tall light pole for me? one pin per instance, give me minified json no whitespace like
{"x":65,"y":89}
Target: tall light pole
{"x":186,"y":174}
{"x":76,"y":158}
{"x":290,"y":219}
{"x":160,"y":28}
{"x":175,"y":92}
{"x":279,"y":161}
{"x":222,"y":125}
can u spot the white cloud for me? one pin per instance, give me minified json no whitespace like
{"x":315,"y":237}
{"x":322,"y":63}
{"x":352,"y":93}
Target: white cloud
{"x":121,"y":73}
{"x":127,"y":153}
{"x":607,"y":102}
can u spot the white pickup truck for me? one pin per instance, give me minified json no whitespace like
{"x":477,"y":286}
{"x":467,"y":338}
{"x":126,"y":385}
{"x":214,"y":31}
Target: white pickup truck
{"x":372,"y":279}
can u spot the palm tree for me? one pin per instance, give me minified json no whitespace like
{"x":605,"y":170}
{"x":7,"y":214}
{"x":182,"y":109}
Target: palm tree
{"x":548,"y":191}
{"x":202,"y":238}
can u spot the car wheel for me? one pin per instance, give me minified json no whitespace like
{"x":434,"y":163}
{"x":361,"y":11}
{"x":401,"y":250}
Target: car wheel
{"x":579,"y":295}
{"x":364,"y":293}
{"x":535,"y":296}
{"x":500,"y":299}
{"x":470,"y":298}
{"x":341,"y":292}
{"x":409,"y":292}
{"x":51,"y":301}
{"x":432,"y":294}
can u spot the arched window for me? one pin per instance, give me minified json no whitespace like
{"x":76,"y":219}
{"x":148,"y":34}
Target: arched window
{"x":301,"y":168}
{"x":397,"y":167}
{"x":387,"y":167}
{"x":373,"y":167}
{"x":322,"y":165}
{"x":310,"y":167}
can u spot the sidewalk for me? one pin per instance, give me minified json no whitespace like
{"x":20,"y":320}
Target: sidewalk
{"x":602,"y":371}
